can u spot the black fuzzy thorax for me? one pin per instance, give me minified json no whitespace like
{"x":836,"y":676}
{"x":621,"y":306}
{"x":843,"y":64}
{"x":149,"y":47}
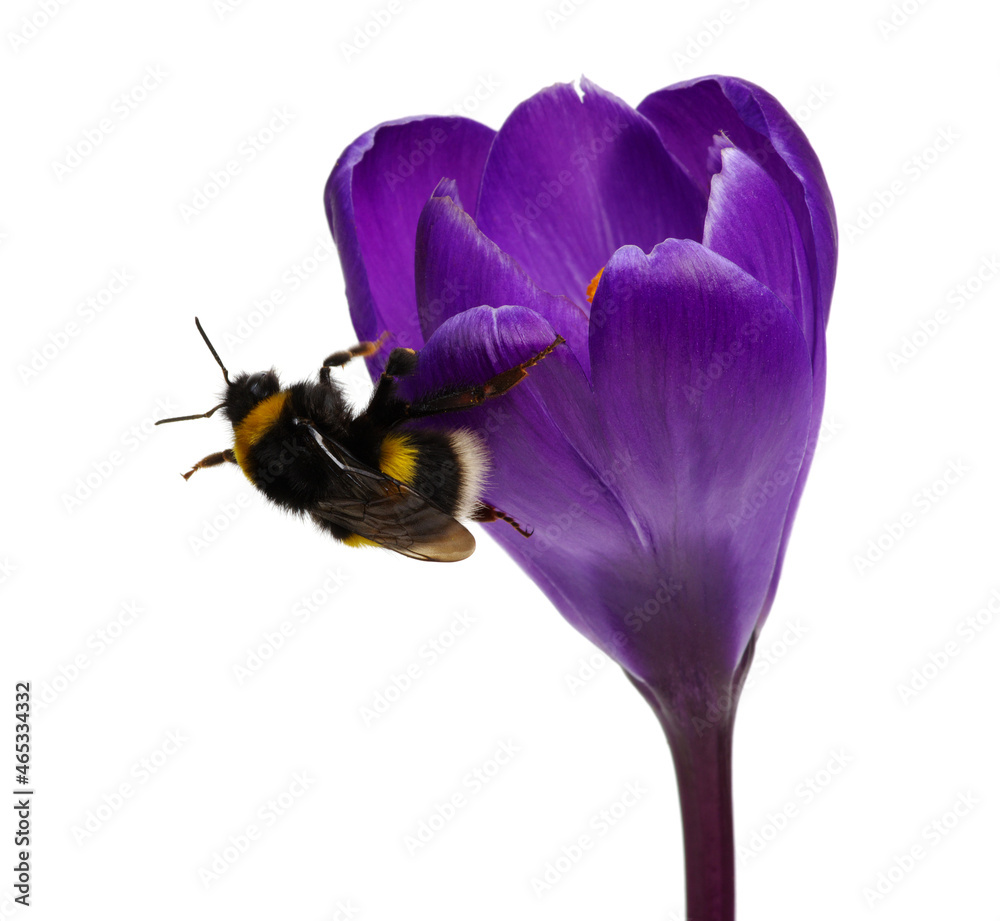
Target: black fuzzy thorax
{"x":288,"y":465}
{"x":286,"y":462}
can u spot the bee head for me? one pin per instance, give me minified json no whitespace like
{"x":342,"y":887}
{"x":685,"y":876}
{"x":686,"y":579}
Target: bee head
{"x":242,"y":394}
{"x":246,"y":391}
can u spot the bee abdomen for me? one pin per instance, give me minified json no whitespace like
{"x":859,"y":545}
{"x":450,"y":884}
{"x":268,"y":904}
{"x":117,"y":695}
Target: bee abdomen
{"x":449,"y":468}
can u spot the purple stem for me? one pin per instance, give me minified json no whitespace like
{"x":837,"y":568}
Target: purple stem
{"x":698,"y":724}
{"x":705,"y":785}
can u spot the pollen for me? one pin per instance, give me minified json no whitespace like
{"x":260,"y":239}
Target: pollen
{"x":592,"y":287}
{"x":399,"y":458}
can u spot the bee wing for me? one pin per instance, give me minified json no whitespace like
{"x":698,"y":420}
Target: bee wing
{"x":389,"y":513}
{"x":416,"y":530}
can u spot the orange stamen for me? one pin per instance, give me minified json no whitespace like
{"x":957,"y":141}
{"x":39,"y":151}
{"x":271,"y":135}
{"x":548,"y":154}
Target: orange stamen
{"x":592,"y":287}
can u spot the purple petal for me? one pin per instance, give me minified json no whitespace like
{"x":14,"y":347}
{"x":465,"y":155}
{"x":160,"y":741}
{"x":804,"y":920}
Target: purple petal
{"x":373,"y":200}
{"x":550,"y":466}
{"x":568,"y":181}
{"x":703,"y":374}
{"x":458,"y":268}
{"x":750,"y":223}
{"x":754,"y":121}
{"x":689,"y":115}
{"x":758,"y":107}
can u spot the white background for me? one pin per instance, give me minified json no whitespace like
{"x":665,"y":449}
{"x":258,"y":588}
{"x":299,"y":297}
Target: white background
{"x":839,"y":645}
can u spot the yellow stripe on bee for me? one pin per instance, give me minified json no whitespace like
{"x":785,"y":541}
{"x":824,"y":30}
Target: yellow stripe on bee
{"x":255,"y":425}
{"x":356,"y":540}
{"x":399,"y":458}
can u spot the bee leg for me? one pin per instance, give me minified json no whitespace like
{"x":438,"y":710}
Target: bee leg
{"x":361,"y":350}
{"x":485,"y":512}
{"x":213,"y":460}
{"x":385,"y":406}
{"x":401,"y":363}
{"x":473,"y":396}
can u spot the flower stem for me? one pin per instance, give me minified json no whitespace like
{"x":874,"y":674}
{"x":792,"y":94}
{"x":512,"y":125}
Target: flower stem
{"x":698,"y":722}
{"x":703,"y":764}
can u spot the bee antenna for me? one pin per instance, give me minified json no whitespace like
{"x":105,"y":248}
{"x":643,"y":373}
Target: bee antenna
{"x":225,"y":374}
{"x":215,"y":355}
{"x":196,"y":416}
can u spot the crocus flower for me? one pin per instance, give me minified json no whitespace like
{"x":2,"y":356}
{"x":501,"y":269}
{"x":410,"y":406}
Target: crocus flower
{"x":685,"y":250}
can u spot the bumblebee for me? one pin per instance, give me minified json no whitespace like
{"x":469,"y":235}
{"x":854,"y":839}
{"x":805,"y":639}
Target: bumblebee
{"x":365,"y":479}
